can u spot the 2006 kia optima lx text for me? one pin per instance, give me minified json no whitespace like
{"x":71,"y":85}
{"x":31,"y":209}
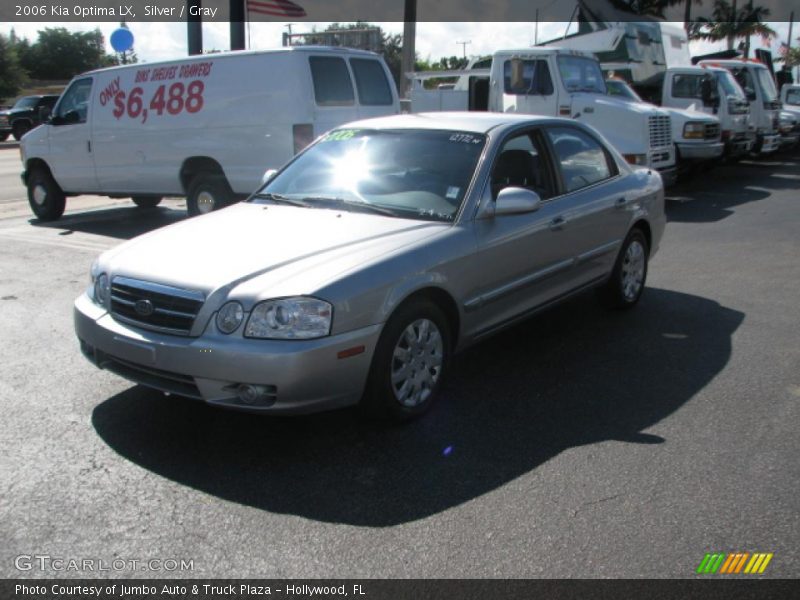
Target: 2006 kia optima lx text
{"x":356,"y":271}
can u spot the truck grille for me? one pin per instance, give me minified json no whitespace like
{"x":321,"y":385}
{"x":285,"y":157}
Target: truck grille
{"x":660,"y":131}
{"x":712,"y":131}
{"x":154,"y":306}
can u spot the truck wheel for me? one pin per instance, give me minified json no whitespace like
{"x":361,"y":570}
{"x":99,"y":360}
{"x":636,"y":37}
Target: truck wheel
{"x":45,"y":196}
{"x":626,"y":284}
{"x":409,"y":362}
{"x":3,"y":137}
{"x":207,"y":193}
{"x":20,"y":128}
{"x":146,"y":201}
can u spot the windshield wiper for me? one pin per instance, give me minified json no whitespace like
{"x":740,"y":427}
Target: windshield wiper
{"x":364,"y":206}
{"x":281,"y":199}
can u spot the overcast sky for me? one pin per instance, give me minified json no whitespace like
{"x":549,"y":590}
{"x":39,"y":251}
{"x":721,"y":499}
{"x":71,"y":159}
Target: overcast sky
{"x":160,"y":41}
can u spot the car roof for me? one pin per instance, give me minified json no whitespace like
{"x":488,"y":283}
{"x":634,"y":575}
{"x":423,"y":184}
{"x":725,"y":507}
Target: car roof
{"x":474,"y":122}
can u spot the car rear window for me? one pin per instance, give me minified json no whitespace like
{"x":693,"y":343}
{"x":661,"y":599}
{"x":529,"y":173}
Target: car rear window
{"x":332,"y":84}
{"x":373,"y":88}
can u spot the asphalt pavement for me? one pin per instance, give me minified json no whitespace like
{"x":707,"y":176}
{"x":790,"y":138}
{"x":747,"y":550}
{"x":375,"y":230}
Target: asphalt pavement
{"x":582,"y":443}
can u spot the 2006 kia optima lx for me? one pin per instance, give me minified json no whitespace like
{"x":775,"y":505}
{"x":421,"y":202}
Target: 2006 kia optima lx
{"x":357,"y":270}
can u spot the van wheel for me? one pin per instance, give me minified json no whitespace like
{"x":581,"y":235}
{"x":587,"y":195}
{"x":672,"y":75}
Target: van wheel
{"x":626,"y":284}
{"x":146,"y":201}
{"x":20,"y":128}
{"x":207,"y":193}
{"x":46,"y":198}
{"x":409,"y":362}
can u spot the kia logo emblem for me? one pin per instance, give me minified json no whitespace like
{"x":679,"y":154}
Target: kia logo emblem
{"x":144,"y":308}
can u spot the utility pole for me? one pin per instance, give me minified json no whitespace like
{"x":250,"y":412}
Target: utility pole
{"x":464,"y":46}
{"x":536,"y":30}
{"x":194,"y":27}
{"x":237,"y":18}
{"x":409,"y":40}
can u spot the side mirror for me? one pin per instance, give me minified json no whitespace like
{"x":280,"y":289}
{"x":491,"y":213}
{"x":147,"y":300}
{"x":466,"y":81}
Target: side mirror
{"x":751,"y":94}
{"x":708,"y":92}
{"x":516,"y":200}
{"x":268,"y":174}
{"x":44,"y":113}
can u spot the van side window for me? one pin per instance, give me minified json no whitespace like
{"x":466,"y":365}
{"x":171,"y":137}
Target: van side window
{"x":521,"y":163}
{"x":74,"y":105}
{"x":582,"y":160}
{"x":373,"y":88}
{"x":332,"y":84}
{"x":522,"y":77}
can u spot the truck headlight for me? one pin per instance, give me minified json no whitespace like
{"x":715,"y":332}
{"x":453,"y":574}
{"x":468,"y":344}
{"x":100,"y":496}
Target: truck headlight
{"x":636,"y":159}
{"x":229,"y":317}
{"x":102,"y":290}
{"x":290,"y":319}
{"x":693,"y":130}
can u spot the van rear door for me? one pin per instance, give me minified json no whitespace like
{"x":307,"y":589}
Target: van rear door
{"x":334,"y":96}
{"x":376,"y":96}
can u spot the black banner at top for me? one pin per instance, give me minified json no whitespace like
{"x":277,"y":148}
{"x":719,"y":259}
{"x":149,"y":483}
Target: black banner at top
{"x":12,"y":11}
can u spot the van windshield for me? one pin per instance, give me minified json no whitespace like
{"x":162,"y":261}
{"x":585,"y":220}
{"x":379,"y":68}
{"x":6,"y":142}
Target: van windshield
{"x":581,"y":74}
{"x":767,"y":85}
{"x":406,"y":173}
{"x":729,"y":85}
{"x":793,"y":97}
{"x":26,"y":102}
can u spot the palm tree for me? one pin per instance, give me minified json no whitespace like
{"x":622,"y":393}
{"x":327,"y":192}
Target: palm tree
{"x":731,"y":24}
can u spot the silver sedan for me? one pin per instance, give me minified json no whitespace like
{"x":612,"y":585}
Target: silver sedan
{"x":357,"y":270}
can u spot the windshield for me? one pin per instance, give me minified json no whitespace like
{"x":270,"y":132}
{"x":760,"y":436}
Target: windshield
{"x":581,"y":74}
{"x":729,"y":85}
{"x":767,"y":85}
{"x":26,"y":102}
{"x":408,"y":173}
{"x":620,"y":89}
{"x":793,"y":97}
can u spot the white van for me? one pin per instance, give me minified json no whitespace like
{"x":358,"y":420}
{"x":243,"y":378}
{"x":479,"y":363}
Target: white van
{"x":205,"y":127}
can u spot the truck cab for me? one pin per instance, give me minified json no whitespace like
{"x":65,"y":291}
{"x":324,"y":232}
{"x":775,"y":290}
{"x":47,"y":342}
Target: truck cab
{"x":696,"y":134}
{"x":553,"y":81}
{"x":760,"y":91}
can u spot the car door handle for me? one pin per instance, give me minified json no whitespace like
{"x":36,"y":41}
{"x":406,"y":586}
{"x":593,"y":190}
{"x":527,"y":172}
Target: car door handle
{"x":558,"y":223}
{"x":621,"y":203}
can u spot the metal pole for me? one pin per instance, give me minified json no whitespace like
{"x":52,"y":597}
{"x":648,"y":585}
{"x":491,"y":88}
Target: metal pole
{"x":409,"y":40}
{"x":536,"y":30}
{"x":194,"y":27}
{"x":237,"y":24}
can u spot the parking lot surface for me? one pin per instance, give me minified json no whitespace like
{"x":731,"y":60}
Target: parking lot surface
{"x":582,"y":443}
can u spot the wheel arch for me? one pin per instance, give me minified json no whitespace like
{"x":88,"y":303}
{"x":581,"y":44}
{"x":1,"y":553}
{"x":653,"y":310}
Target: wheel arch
{"x":644,"y":227}
{"x":196,"y":165}
{"x":443,"y":300}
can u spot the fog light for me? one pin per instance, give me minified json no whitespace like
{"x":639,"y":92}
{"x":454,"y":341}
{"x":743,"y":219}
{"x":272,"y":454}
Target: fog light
{"x":261,"y":395}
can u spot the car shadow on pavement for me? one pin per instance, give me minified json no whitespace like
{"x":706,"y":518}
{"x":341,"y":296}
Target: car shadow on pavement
{"x":121,"y":222}
{"x":576,"y":375}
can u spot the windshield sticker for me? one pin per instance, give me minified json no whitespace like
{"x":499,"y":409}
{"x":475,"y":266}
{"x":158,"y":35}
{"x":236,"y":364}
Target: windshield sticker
{"x":465,"y":138}
{"x":340,"y":135}
{"x":452,"y":192}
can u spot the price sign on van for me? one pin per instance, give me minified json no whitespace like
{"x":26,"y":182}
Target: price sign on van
{"x":164,"y":99}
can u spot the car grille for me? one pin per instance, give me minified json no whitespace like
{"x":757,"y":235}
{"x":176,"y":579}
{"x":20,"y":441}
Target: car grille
{"x":660,"y":131}
{"x":712,"y":131}
{"x":154,"y":306}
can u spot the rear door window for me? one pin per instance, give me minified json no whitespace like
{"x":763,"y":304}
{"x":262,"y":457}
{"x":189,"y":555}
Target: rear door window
{"x":332,"y":84}
{"x":581,"y":158}
{"x":371,"y":83}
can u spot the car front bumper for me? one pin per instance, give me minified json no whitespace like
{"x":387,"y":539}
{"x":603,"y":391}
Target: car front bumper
{"x":295,"y":376}
{"x":700,"y":150}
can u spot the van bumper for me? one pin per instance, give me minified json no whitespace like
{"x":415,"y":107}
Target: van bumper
{"x":767,"y":143}
{"x":292,"y":376}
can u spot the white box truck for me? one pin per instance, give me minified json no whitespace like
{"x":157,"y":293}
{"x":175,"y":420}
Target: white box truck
{"x":555,"y":82}
{"x":205,"y":127}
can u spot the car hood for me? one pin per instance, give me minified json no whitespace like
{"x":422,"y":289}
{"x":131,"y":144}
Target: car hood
{"x":13,"y":111}
{"x":611,"y":102}
{"x":295,"y":249}
{"x":691,"y":114}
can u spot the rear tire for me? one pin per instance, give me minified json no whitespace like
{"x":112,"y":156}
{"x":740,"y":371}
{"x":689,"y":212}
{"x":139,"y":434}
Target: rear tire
{"x":409,"y":363}
{"x":146,"y":201}
{"x":628,"y":278}
{"x":20,"y":128}
{"x":46,"y":198}
{"x":207,"y":193}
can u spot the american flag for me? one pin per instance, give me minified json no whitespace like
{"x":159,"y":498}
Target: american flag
{"x":275,"y":8}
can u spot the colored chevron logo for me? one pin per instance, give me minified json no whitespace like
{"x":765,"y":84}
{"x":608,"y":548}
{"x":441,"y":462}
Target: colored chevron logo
{"x":734,"y":563}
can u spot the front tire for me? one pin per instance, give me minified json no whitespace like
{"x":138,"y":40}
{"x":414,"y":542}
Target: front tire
{"x":410,"y":361}
{"x":146,"y":201}
{"x":628,"y":278}
{"x":207,"y":193}
{"x":46,"y":198}
{"x":20,"y":128}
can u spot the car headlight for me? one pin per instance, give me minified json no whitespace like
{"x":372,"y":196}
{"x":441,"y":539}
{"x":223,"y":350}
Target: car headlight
{"x":693,"y":130}
{"x":229,"y":317}
{"x":290,"y":319}
{"x":102,"y":290}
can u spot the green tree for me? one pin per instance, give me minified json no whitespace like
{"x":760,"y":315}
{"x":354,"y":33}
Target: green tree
{"x":61,"y":54}
{"x":14,"y":76}
{"x":733,"y":22}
